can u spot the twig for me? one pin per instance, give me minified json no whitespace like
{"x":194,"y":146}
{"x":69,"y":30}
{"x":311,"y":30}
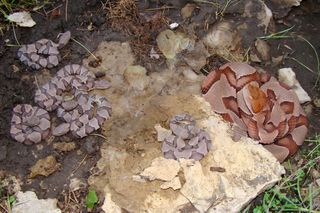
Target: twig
{"x":36,"y":81}
{"x":60,"y":5}
{"x":161,"y":8}
{"x":14,"y":34}
{"x":81,"y":162}
{"x":84,"y":47}
{"x":3,"y":208}
{"x":99,"y":135}
{"x":74,"y":196}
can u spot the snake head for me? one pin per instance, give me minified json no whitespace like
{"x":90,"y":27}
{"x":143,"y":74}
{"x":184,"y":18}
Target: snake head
{"x":258,"y":98}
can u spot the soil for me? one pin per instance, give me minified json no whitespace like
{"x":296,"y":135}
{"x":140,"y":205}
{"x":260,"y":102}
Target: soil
{"x":90,"y":23}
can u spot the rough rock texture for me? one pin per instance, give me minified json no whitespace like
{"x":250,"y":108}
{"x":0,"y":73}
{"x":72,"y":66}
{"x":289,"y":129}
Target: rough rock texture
{"x":132,"y":146}
{"x":201,"y":190}
{"x":287,"y":76}
{"x":28,"y":202}
{"x":161,"y":169}
{"x":44,"y":167}
{"x":223,"y":39}
{"x":171,"y":43}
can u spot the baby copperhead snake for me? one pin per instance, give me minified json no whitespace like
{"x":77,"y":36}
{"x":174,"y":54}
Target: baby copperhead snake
{"x":67,"y":93}
{"x":44,"y":52}
{"x":258,"y":105}
{"x":186,"y":140}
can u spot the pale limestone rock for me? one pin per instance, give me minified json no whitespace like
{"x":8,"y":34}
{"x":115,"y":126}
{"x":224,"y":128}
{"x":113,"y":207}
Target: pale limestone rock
{"x":28,"y":202}
{"x":189,"y":74}
{"x":23,"y":19}
{"x":223,"y":39}
{"x":136,"y":76}
{"x":263,"y":14}
{"x":248,"y":168}
{"x":116,"y":57}
{"x":288,"y":76}
{"x":161,"y":169}
{"x":199,"y":189}
{"x":196,"y":57}
{"x":263,"y":49}
{"x":157,"y":203}
{"x":162,"y":133}
{"x":171,"y":43}
{"x":174,"y":184}
{"x":109,"y":206}
{"x":76,"y":184}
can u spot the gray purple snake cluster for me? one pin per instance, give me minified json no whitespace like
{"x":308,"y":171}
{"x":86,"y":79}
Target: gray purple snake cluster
{"x":67,"y":93}
{"x":186,"y":141}
{"x":44,"y":53}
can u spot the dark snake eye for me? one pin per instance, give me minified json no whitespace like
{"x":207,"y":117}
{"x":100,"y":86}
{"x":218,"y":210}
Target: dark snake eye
{"x":267,"y":110}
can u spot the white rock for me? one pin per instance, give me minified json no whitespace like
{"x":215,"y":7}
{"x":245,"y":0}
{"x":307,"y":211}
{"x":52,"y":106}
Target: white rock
{"x":222,"y":38}
{"x":199,"y":189}
{"x":173,"y":25}
{"x":161,"y":169}
{"x":288,"y":76}
{"x":28,"y":202}
{"x":23,"y":19}
{"x":171,"y":43}
{"x":109,"y":206}
{"x":136,"y":77}
{"x":76,"y":184}
{"x":174,"y":184}
{"x":162,"y":133}
{"x":189,"y":74}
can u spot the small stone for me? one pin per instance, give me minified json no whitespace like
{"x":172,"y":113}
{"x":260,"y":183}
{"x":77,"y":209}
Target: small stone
{"x":171,"y":43}
{"x":44,"y":167}
{"x":187,"y":10}
{"x":110,"y":206}
{"x":76,"y":184}
{"x":162,"y":133}
{"x":316,"y":102}
{"x":64,"y":147}
{"x":288,"y":76}
{"x":136,"y":76}
{"x":263,"y":49}
{"x":28,"y":202}
{"x":161,"y":169}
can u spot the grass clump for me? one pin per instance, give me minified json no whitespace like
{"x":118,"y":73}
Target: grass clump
{"x":299,"y":190}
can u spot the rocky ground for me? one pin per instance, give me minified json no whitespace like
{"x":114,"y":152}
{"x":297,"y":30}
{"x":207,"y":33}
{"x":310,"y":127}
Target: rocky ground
{"x":155,"y":54}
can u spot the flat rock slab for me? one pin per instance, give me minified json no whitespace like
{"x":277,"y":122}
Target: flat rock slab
{"x":246,"y":168}
{"x":28,"y":202}
{"x":132,"y":172}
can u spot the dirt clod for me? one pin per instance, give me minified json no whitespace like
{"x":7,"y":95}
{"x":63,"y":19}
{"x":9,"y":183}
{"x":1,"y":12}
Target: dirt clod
{"x":45,"y":167}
